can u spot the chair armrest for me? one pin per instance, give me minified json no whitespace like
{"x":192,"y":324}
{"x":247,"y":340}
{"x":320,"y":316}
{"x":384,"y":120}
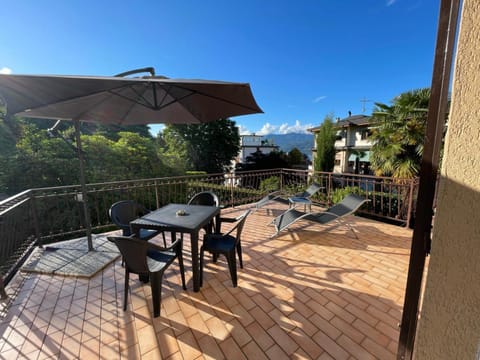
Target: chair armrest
{"x":122,"y":225}
{"x":171,"y":247}
{"x":229,"y":220}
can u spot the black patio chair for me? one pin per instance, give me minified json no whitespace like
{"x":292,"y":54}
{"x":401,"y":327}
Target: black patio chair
{"x":204,"y":198}
{"x":122,"y":212}
{"x":148,"y":260}
{"x":225,"y":244}
{"x":207,"y":198}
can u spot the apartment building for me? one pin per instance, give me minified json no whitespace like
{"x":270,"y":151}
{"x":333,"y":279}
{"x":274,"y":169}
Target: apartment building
{"x":253,"y":143}
{"x":352,"y":146}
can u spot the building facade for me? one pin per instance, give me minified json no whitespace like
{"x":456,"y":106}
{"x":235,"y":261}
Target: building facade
{"x":352,"y":146}
{"x":250,"y":144}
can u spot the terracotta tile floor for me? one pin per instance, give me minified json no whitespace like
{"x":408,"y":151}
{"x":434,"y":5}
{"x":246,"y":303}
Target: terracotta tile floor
{"x":312,"y":293}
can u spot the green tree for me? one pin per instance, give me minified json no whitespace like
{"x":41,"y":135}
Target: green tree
{"x":398,"y":134}
{"x":325,"y":141}
{"x":172,"y":149}
{"x":39,"y":161}
{"x":261,"y":161}
{"x":102,"y":162}
{"x":295,"y":157}
{"x":138,"y":155}
{"x":210,"y":147}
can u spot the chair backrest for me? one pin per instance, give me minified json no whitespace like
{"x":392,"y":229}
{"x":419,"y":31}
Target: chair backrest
{"x":350,"y":204}
{"x":122,"y":212}
{"x":134,"y":252}
{"x":312,"y":189}
{"x":204,"y":198}
{"x":239,"y":225}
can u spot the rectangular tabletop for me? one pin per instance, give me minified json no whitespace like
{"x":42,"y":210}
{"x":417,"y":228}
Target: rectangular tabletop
{"x":166,"y":219}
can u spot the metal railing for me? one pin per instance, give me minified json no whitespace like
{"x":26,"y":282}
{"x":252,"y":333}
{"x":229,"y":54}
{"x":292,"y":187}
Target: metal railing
{"x":44,"y":215}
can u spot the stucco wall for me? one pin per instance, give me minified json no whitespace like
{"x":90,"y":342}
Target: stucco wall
{"x":449,"y":327}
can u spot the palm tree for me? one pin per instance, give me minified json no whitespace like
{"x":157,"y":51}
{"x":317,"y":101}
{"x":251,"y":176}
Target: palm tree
{"x":398,"y":134}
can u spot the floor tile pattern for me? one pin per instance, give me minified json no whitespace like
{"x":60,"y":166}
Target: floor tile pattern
{"x":312,"y":292}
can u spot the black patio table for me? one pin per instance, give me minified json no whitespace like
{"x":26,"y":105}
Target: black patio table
{"x":168,"y":218}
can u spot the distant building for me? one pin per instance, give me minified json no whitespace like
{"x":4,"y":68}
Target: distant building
{"x":352,"y":146}
{"x":253,"y":143}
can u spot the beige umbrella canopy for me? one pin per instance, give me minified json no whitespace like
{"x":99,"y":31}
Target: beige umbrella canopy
{"x":123,"y":101}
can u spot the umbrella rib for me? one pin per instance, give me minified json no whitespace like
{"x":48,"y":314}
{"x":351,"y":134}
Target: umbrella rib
{"x":214,"y":97}
{"x":145,"y":102}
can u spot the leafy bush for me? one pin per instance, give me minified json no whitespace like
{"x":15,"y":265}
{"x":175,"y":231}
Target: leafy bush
{"x":270,"y":184}
{"x":339,"y":193}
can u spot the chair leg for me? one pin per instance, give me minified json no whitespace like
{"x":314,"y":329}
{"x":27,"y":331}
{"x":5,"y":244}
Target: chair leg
{"x":164,"y":240}
{"x":232,"y":266}
{"x":182,"y":268}
{"x":239,"y":252}
{"x":201,"y":265}
{"x":125,"y":295}
{"x":156,"y":285}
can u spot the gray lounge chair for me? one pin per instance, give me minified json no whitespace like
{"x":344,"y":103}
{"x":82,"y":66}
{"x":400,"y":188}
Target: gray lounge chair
{"x":349,"y":205}
{"x":280,"y":196}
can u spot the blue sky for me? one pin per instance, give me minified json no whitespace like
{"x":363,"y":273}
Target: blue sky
{"x":304,"y":59}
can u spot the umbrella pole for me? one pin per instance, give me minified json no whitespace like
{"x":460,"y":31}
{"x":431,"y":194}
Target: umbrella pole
{"x":83,"y":186}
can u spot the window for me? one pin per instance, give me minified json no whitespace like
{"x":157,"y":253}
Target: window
{"x":365,"y":134}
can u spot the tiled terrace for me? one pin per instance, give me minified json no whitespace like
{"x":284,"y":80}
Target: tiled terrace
{"x":310,"y":293}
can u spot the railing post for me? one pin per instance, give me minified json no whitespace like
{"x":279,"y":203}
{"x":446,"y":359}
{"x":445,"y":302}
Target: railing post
{"x":329,"y":189}
{"x":35,"y":219}
{"x":231,"y":181}
{"x":410,"y":201}
{"x":156,"y":194}
{"x":281,"y":179}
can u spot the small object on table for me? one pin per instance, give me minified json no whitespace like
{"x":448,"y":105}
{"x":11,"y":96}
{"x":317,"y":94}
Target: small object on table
{"x":181,"y":213}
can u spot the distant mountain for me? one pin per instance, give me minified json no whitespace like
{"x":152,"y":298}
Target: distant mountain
{"x":286,"y":142}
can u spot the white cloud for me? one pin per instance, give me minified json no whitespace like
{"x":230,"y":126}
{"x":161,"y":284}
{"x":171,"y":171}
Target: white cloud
{"x":391,"y":2}
{"x":297,"y":128}
{"x":243,"y":130}
{"x":5,"y":70}
{"x":284,"y":128}
{"x":319,"y":98}
{"x":267,"y":129}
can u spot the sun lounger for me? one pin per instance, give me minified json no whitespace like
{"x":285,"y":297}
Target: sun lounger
{"x":280,"y":196}
{"x":349,"y":205}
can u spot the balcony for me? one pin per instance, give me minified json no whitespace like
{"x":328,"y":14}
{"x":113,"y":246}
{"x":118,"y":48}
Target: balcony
{"x":311,"y":292}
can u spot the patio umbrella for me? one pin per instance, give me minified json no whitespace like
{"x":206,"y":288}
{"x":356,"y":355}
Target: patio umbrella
{"x":123,"y":101}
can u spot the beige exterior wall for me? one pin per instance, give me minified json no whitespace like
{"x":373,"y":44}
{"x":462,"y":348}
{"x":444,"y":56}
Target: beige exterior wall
{"x":449,"y":327}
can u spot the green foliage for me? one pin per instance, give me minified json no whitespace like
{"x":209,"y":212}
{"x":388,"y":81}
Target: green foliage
{"x":340,"y":193}
{"x":112,"y":132}
{"x":209,"y":147}
{"x":398,"y":134}
{"x":172,"y":149}
{"x":270,"y":184}
{"x":295,"y":159}
{"x":38,"y":160}
{"x":261,"y":161}
{"x":325,"y":141}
